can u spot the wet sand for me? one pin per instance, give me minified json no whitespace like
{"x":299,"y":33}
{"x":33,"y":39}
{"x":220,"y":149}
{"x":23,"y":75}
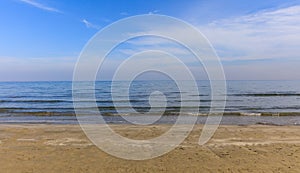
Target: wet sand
{"x":65,"y":148}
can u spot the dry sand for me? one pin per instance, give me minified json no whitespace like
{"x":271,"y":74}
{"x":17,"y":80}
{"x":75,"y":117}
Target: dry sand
{"x":65,"y":148}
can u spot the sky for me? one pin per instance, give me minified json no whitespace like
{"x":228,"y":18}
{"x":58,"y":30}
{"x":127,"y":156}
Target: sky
{"x":255,"y":40}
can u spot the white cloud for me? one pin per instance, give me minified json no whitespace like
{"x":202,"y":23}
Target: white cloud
{"x":153,"y":43}
{"x":40,"y":6}
{"x":170,"y":49}
{"x":262,"y":45}
{"x":263,"y":35}
{"x":89,"y":24}
{"x":153,"y":12}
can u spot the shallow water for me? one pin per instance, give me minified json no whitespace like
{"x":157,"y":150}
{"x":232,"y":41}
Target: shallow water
{"x":226,"y":120}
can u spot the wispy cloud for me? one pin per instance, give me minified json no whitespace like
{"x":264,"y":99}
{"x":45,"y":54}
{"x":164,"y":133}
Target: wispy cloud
{"x":89,"y":24}
{"x":262,"y":45}
{"x":153,"y":12}
{"x":40,"y":6}
{"x":266,"y":34}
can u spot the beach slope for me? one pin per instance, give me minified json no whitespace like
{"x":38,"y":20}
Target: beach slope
{"x":65,"y":148}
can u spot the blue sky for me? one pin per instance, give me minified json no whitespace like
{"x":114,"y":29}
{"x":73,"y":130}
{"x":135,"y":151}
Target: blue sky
{"x":41,"y":40}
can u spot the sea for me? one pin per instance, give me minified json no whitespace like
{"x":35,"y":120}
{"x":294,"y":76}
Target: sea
{"x":246,"y":102}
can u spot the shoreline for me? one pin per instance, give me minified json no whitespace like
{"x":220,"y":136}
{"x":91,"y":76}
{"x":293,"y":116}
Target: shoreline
{"x":73,"y":114}
{"x":65,"y":148}
{"x":166,"y":119}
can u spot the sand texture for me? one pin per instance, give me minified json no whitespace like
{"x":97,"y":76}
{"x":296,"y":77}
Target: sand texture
{"x":65,"y":148}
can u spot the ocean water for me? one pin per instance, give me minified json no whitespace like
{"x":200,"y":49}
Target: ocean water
{"x":246,"y":101}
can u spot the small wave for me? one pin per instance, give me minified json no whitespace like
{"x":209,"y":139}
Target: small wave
{"x":35,"y":101}
{"x":34,"y":110}
{"x":47,"y":113}
{"x":250,"y":114}
{"x":261,"y":114}
{"x":200,"y":95}
{"x":268,"y":123}
{"x":266,"y":94}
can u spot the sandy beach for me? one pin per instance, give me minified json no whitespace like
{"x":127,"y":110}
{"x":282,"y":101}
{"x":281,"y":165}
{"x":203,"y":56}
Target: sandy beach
{"x":65,"y":148}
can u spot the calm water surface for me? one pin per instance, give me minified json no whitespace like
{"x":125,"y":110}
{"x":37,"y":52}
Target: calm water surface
{"x":51,"y":102}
